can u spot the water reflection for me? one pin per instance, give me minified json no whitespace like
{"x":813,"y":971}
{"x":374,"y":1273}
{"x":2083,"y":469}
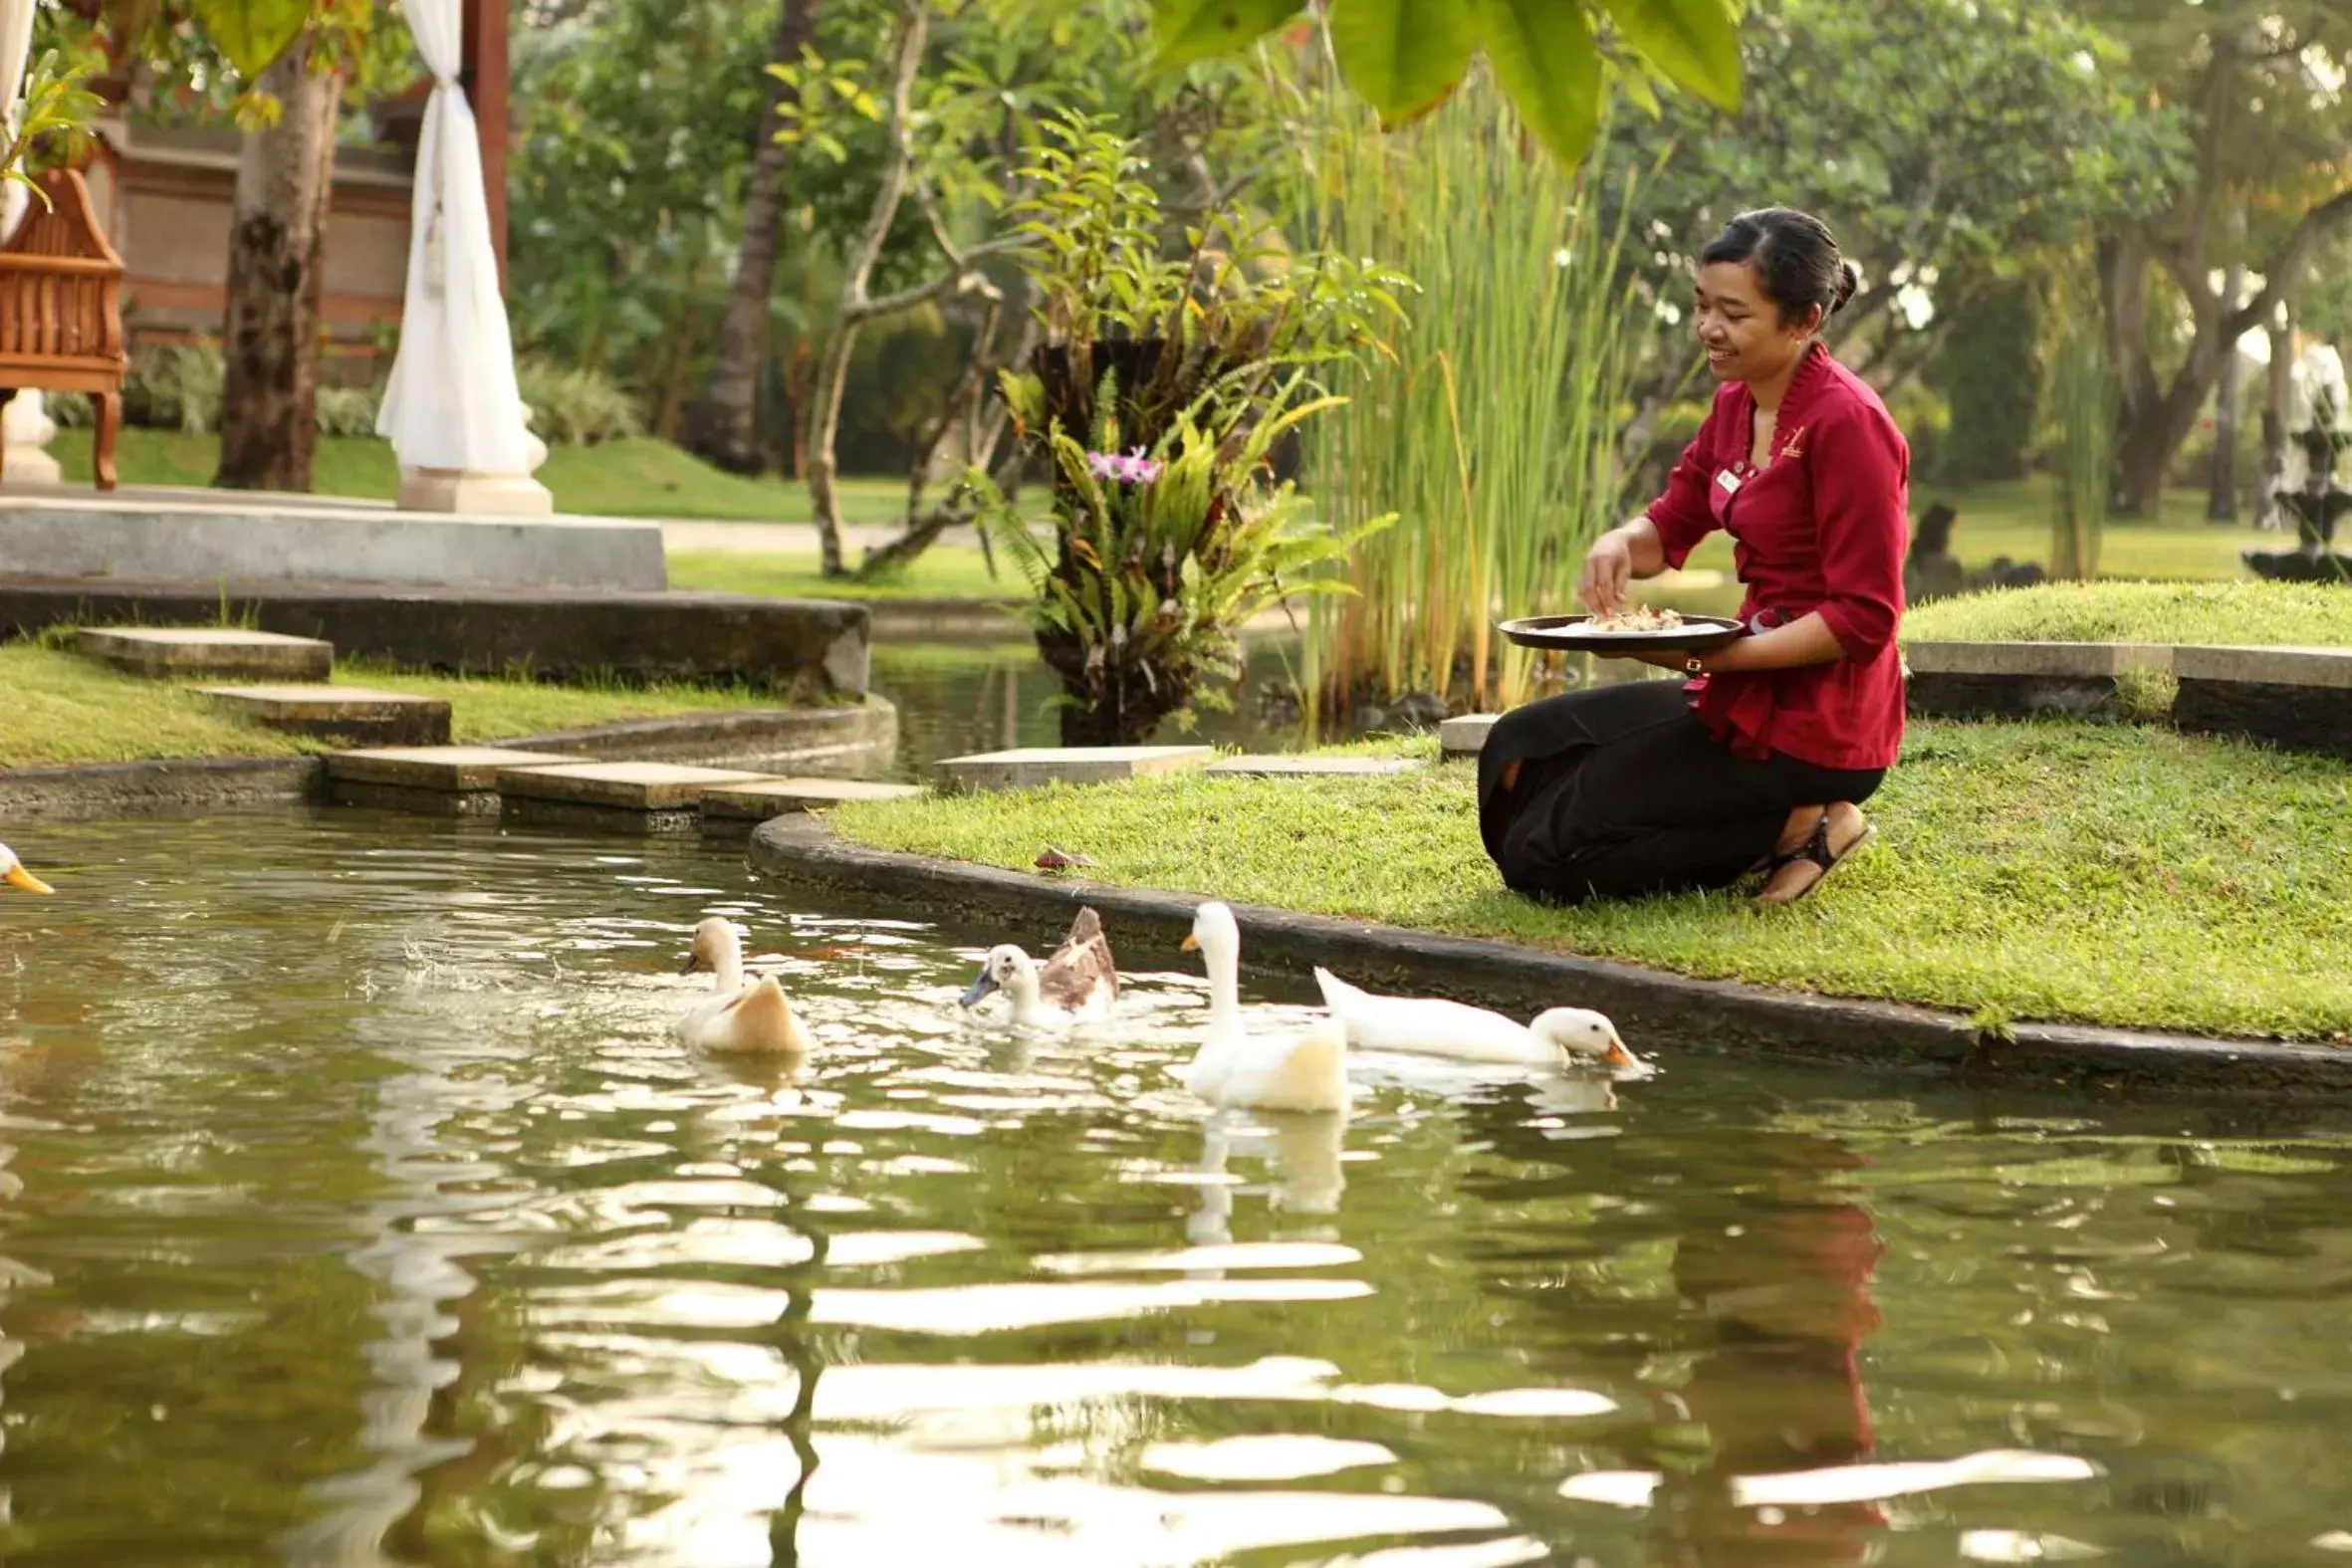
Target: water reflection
{"x":359,"y":1191}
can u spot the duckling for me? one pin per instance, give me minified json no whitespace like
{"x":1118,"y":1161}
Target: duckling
{"x":1077,"y":985}
{"x":13,"y":872}
{"x":1305,"y":1072}
{"x":735,"y":1017}
{"x":1433,"y":1026}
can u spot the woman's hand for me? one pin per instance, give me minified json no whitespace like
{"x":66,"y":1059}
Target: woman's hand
{"x":1608,"y":568}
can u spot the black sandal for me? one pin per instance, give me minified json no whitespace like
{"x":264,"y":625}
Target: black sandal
{"x":1815,"y":850}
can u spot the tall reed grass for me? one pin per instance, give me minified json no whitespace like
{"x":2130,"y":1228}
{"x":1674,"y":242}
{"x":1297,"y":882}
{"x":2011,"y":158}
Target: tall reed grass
{"x":1490,"y":425}
{"x":2079,"y":409}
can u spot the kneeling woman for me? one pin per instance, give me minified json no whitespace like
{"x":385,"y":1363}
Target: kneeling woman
{"x":1764,"y":759}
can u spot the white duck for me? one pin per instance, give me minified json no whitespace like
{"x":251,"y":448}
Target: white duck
{"x":1077,"y":985}
{"x":1432,"y":1027}
{"x":753,"y":1019}
{"x":1304,"y":1072}
{"x":13,"y":872}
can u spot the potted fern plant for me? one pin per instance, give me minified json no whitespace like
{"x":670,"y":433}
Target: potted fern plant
{"x":1170,"y":367}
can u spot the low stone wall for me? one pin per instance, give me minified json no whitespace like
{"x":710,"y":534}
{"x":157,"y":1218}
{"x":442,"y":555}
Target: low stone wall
{"x":2296,"y":698}
{"x":208,"y":535}
{"x":807,"y":649}
{"x":138,"y":788}
{"x":2017,"y":680}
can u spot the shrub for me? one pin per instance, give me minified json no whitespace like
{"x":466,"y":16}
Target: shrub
{"x":175,"y":386}
{"x":346,"y":410}
{"x":576,"y":407}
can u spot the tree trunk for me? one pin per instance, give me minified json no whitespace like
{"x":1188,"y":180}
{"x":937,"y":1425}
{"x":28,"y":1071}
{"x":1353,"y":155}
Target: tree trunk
{"x":720,"y":428}
{"x":824,"y":407}
{"x":2220,"y":496}
{"x":277,"y":261}
{"x":2277,"y":385}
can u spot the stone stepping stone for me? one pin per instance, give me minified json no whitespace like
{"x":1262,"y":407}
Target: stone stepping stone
{"x":224,"y":653}
{"x":784,"y":796}
{"x":1315,"y":767}
{"x":340,"y":713}
{"x":1464,"y":734}
{"x":1033,"y":767}
{"x":622,"y":787}
{"x":435,"y":780}
{"x":450,"y":768}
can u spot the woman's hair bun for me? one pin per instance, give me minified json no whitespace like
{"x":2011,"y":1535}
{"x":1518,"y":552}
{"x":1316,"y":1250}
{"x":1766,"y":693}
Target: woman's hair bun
{"x":1795,"y":256}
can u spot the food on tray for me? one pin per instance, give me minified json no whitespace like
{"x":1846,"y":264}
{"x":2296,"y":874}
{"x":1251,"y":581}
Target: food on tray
{"x":1634,"y":618}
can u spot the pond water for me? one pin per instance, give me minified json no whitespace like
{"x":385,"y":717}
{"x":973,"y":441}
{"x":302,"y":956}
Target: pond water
{"x":355,"y":1208}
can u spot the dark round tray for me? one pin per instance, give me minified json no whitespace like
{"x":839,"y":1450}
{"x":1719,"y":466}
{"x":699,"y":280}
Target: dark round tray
{"x":1696,"y":634}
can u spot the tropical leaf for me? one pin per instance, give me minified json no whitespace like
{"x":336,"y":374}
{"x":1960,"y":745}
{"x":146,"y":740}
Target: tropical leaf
{"x":1403,"y":57}
{"x":1545,"y":57}
{"x":252,"y":33}
{"x":1695,"y":43}
{"x":1194,"y":30}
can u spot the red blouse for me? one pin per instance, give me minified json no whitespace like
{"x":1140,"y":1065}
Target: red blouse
{"x":1822,"y":527}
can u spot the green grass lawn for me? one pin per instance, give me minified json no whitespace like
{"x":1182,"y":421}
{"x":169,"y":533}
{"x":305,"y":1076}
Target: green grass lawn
{"x":642,"y":478}
{"x":944,"y":571}
{"x":64,"y":708}
{"x":2111,"y":874}
{"x":2251,"y":612}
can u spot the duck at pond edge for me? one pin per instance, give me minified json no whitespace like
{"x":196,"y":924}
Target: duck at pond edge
{"x":1306,"y":1072}
{"x":1077,"y":985}
{"x":1433,"y":1026}
{"x":736,"y":1019}
{"x":13,"y":872}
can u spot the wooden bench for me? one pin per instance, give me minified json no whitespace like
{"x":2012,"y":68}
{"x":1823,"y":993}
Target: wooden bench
{"x":61,"y":315}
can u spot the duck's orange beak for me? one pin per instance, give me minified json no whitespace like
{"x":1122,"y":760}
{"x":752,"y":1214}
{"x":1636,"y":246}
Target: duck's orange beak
{"x":1617,"y":1055}
{"x":1190,"y":944}
{"x":17,"y":876}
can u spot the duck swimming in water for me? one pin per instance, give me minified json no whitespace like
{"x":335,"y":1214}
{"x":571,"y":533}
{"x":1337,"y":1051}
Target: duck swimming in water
{"x":1077,"y":985}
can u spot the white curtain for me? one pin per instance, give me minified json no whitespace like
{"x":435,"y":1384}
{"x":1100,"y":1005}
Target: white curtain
{"x":451,"y":402}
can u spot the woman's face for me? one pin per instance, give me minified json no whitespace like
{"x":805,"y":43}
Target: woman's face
{"x":1741,"y":330}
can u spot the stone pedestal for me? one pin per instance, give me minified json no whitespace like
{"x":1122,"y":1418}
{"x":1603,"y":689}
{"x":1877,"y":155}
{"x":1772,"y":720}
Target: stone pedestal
{"x":473,"y":495}
{"x":479,"y":495}
{"x":25,"y":426}
{"x":25,"y":431}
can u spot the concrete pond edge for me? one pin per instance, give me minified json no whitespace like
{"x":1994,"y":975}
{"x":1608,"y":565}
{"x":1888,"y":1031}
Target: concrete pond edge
{"x":1722,"y":1015}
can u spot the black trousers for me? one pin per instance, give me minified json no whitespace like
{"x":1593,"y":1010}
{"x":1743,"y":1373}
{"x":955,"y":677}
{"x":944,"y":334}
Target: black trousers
{"x":1621,"y":792}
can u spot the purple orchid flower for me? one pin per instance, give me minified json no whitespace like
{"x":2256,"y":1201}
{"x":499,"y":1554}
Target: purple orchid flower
{"x":1129,"y":468}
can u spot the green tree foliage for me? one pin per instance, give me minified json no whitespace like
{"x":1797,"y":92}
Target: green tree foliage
{"x":1987,"y":376}
{"x":2266,"y":189}
{"x":1948,"y":142}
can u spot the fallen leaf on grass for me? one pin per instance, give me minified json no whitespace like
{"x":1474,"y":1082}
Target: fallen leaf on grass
{"x":1061,"y":859}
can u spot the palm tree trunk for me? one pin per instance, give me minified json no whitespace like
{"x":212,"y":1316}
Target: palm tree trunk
{"x":720,"y":428}
{"x":277,"y":262}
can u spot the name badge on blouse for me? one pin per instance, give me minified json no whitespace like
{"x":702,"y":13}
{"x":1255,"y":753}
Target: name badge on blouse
{"x":1719,"y":499}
